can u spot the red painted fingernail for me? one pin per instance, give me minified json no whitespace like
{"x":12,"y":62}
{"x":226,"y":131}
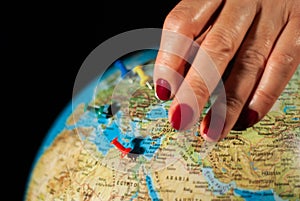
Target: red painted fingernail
{"x":246,"y":119}
{"x":213,"y":129}
{"x":163,"y":89}
{"x":182,"y":116}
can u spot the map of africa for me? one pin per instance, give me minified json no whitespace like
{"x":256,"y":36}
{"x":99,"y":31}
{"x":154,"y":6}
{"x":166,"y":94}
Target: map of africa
{"x":115,"y":143}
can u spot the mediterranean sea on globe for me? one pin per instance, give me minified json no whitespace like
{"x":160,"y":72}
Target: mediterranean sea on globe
{"x":117,"y":144}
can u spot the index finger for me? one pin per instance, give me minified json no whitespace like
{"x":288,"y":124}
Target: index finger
{"x":182,"y":25}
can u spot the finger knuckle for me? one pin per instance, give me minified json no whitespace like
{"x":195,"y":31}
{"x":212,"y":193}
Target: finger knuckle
{"x":252,"y":57}
{"x":295,"y":8}
{"x":201,"y":91}
{"x":234,"y":104}
{"x":280,"y":61}
{"x":177,"y":18}
{"x":251,"y":62}
{"x":266,"y":98}
{"x":220,"y":43}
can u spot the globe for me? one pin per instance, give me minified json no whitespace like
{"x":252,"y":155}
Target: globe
{"x":114,"y":142}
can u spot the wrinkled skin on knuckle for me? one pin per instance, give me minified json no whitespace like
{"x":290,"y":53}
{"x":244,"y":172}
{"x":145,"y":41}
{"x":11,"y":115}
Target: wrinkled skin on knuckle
{"x":198,"y":86}
{"x":267,"y":99}
{"x":234,"y":104}
{"x":220,"y":44}
{"x":251,"y":62}
{"x":293,"y":8}
{"x":178,"y":19}
{"x":283,"y":60}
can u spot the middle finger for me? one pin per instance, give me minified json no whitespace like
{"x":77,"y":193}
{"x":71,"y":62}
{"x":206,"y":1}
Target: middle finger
{"x":220,"y":44}
{"x":247,"y":69}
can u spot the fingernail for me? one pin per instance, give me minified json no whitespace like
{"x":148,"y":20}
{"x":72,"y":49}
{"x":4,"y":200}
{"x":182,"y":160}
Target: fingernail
{"x":163,"y":89}
{"x":246,"y":119}
{"x":182,"y":116}
{"x":213,"y":130}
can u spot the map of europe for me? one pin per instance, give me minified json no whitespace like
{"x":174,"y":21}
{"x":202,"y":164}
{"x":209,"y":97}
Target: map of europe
{"x":117,"y":144}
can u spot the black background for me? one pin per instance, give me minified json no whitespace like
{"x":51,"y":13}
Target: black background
{"x":43,"y":46}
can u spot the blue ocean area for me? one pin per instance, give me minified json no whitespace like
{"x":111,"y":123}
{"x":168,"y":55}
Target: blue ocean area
{"x":157,"y":113}
{"x":152,"y":192}
{"x":60,"y":123}
{"x":134,"y":196}
{"x":113,"y":132}
{"x":102,"y":138}
{"x":151,"y":146}
{"x":217,"y":187}
{"x":90,"y":119}
{"x":250,"y":195}
{"x":220,"y":188}
{"x":86,"y":95}
{"x":146,"y":145}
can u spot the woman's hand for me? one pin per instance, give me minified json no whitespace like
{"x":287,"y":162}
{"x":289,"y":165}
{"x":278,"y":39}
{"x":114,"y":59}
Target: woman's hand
{"x":258,"y":39}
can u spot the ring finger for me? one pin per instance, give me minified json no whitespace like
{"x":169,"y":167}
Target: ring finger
{"x":246,"y":72}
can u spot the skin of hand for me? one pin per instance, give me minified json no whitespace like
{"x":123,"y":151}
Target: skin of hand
{"x":251,"y":47}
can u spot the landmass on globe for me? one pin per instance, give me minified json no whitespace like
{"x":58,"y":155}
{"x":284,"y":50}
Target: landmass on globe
{"x":120,"y":146}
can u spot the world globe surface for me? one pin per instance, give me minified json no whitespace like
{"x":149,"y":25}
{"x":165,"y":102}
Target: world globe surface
{"x":114,"y":142}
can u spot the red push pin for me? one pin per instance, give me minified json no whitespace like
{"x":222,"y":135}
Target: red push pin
{"x":120,"y":147}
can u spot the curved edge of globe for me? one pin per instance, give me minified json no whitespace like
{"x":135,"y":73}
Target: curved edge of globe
{"x":85,"y":95}
{"x":57,"y":126}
